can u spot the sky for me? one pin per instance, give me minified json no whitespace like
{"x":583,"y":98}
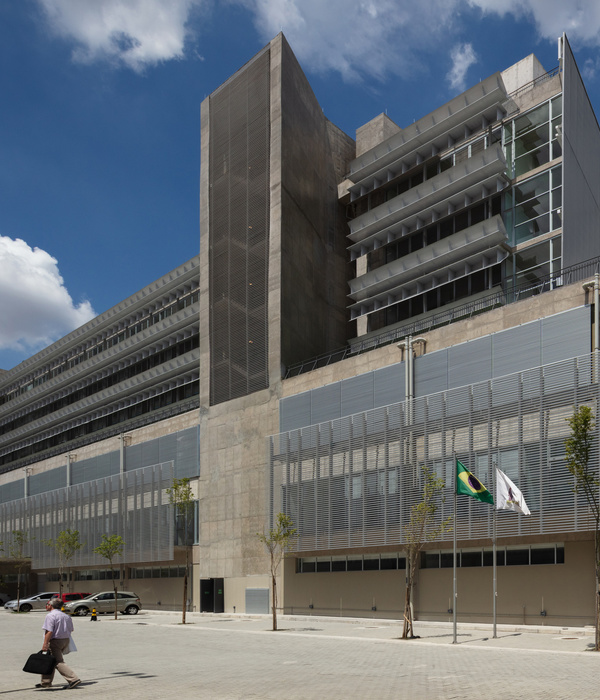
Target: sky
{"x":100,"y":119}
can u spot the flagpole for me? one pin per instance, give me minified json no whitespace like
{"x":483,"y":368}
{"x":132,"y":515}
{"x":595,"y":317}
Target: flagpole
{"x":494,"y":554}
{"x":454,"y":560}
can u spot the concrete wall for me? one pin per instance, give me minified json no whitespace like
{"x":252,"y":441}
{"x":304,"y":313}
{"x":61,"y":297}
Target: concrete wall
{"x":311,"y":270}
{"x":235,"y":591}
{"x":374,"y":132}
{"x":521,"y":73}
{"x":232,"y":486}
{"x":564,"y":591}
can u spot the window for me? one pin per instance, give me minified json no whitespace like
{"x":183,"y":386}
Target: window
{"x":530,"y":139}
{"x":505,"y":556}
{"x":368,"y":562}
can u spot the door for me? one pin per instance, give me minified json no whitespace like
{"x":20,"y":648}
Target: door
{"x":212,"y":597}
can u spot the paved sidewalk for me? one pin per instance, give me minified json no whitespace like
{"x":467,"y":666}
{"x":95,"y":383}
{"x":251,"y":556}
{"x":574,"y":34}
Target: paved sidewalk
{"x":226,"y":657}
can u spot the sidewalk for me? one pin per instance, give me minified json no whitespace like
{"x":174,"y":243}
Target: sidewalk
{"x":238,"y":657}
{"x":540,"y":637}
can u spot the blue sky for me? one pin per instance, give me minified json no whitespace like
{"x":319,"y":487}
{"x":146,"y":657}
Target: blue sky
{"x":100,"y":119}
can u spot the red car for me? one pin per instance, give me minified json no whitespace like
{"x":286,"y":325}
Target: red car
{"x":70,"y":597}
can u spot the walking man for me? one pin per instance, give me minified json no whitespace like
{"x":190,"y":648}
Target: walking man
{"x":57,"y":633}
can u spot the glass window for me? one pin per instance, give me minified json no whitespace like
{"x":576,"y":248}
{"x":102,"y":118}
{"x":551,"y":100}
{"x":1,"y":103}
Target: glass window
{"x":531,"y":188}
{"x":470,"y":558}
{"x":531,"y":229}
{"x":532,"y":119}
{"x":544,"y":555}
{"x":392,"y":481}
{"x":324,"y":565}
{"x":556,"y":149}
{"x":517,"y":557}
{"x":532,"y":160}
{"x":532,"y":140}
{"x":445,"y":163}
{"x":447,"y":560}
{"x":338,"y":563}
{"x":532,"y":257}
{"x":371,"y":563}
{"x":430,"y":560}
{"x":532,"y":208}
{"x":556,"y":174}
{"x":388,"y":563}
{"x":557,"y":106}
{"x":535,"y":276}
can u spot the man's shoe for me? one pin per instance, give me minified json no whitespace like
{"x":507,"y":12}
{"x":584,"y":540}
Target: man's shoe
{"x":39,"y":685}
{"x":73,"y":684}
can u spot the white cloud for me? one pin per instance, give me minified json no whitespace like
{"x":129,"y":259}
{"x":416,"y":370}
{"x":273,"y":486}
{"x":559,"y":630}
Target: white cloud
{"x":357,"y":38}
{"x":376,"y":38}
{"x":360,"y":39}
{"x":580,"y":19}
{"x":135,"y":33}
{"x":590,"y":68}
{"x":35,"y":306}
{"x":463,"y":57}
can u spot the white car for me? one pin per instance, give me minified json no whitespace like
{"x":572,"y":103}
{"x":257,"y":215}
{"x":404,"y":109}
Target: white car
{"x":34,"y":602}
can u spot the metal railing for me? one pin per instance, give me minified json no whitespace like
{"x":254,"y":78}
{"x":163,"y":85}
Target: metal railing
{"x":501,"y":297}
{"x":535,"y":82}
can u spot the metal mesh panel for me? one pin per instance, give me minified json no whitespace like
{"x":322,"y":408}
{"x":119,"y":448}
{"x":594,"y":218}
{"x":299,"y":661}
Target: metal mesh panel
{"x":47,"y":481}
{"x":134,"y":505}
{"x":239,"y":233}
{"x":95,"y":467}
{"x":351,"y":482}
{"x":12,"y":491}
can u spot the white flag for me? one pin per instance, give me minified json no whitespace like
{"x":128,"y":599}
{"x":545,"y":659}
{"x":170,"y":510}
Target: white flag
{"x":508,"y":496}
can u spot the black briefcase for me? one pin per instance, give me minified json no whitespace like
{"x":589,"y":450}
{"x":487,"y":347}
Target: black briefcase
{"x":42,"y":663}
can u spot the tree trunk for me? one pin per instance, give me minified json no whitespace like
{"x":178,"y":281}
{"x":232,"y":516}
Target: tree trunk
{"x":185,"y":584}
{"x":116,"y":601}
{"x":407,"y":632}
{"x":274,"y":604}
{"x":597,"y":607}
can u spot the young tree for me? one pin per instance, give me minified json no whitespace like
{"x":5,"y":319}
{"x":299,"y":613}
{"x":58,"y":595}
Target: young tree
{"x":110,"y":548}
{"x":578,"y":449}
{"x":16,"y":552}
{"x":277,"y":543}
{"x":422,"y":527}
{"x":182,"y":499}
{"x":65,"y":546}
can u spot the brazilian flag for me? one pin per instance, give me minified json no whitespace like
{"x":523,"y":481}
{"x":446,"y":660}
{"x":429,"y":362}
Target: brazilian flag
{"x":470,"y":485}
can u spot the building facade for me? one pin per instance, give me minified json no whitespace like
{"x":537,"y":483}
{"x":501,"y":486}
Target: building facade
{"x":359,"y":310}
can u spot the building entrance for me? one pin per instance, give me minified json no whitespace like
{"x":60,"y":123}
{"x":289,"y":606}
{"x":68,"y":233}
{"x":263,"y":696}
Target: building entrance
{"x":212,"y":598}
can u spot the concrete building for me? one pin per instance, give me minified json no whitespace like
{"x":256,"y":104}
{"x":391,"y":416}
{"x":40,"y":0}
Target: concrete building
{"x":358,"y":310}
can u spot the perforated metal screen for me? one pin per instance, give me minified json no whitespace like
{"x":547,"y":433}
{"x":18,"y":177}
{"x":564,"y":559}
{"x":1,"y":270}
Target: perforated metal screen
{"x":352,"y":482}
{"x":134,"y":505}
{"x":239,"y":232}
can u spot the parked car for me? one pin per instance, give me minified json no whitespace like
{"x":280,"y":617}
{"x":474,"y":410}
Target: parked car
{"x":127,"y":602}
{"x":34,"y":602}
{"x":4,"y":598}
{"x":69,"y":597}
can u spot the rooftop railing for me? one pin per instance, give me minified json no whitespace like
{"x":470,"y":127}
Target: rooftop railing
{"x":500,"y":297}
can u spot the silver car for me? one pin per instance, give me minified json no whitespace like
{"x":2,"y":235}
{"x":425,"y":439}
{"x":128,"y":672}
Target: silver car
{"x":127,"y":602}
{"x":34,"y":602}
